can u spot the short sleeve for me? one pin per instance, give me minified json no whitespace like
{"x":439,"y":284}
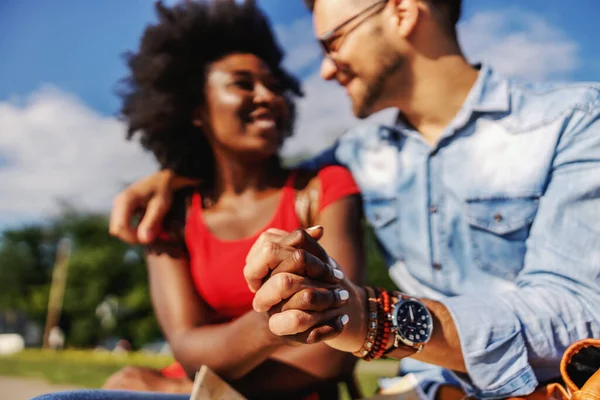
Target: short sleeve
{"x":336,"y":183}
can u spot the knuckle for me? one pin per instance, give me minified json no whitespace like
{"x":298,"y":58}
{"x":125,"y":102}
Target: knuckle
{"x":271,"y":248}
{"x":309,"y":297}
{"x":298,"y":237}
{"x":284,"y":282}
{"x":296,"y":320}
{"x":299,"y":257}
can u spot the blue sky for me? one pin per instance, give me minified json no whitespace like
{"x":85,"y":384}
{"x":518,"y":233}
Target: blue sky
{"x":60,"y":60}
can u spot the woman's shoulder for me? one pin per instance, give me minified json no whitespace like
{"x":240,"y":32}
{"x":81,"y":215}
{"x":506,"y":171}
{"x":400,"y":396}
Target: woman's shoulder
{"x":335,"y":175}
{"x":328,"y":184}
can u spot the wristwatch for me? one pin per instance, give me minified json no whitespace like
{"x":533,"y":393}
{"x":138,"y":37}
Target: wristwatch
{"x":412,"y":324}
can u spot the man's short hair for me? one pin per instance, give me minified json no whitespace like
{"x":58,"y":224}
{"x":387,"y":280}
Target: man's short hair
{"x":451,"y":8}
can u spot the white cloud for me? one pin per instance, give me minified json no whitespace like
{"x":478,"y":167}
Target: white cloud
{"x":52,"y":146}
{"x":59,"y":149}
{"x":520,"y":44}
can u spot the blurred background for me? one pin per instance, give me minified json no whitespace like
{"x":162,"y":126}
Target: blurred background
{"x":63,"y":157}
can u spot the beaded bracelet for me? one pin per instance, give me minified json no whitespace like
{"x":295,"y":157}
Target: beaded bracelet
{"x":372,"y":324}
{"x":384,"y":326}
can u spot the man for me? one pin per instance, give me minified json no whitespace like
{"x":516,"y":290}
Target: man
{"x":485,"y":197}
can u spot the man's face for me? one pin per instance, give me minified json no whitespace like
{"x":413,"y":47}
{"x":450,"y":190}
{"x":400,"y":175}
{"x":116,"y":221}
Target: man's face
{"x":361,"y":58}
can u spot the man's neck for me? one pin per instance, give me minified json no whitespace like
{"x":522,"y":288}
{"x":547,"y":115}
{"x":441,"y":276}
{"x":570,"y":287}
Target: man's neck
{"x":440,"y":88}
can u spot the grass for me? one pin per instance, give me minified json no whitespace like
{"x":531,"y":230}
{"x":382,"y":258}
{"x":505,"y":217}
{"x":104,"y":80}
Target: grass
{"x":90,"y":369}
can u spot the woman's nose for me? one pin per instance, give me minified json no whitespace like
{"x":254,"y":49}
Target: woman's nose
{"x":263,"y":94}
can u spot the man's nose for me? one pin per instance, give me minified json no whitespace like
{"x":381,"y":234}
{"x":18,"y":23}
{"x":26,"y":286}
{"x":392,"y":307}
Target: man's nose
{"x":328,"y":69}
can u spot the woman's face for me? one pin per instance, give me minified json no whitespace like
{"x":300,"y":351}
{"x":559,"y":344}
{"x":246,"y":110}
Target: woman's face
{"x":245,"y":112}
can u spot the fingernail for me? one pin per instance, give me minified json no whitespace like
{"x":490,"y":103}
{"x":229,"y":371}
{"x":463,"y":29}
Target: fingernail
{"x":314,"y":228}
{"x":338,"y":274}
{"x":343,"y":294}
{"x":345,"y":318}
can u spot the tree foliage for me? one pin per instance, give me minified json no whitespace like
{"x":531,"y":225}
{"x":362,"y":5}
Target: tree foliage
{"x":100,"y":267}
{"x":102,"y":271}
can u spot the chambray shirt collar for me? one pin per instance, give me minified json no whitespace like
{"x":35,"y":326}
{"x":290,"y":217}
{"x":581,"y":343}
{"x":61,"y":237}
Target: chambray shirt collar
{"x":489,"y":94}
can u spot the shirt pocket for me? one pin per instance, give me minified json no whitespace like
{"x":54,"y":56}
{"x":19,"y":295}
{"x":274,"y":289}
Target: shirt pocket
{"x":499,"y":228}
{"x":382,"y":215}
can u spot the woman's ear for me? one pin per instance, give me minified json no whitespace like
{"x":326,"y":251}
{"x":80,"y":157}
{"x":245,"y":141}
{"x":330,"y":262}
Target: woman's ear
{"x":198,"y":117}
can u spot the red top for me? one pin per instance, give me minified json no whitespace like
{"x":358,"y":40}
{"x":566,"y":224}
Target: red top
{"x":217,"y":265}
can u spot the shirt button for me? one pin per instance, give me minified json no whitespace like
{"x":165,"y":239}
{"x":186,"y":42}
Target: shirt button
{"x":433,"y":209}
{"x":498,"y":217}
{"x":437,"y":266}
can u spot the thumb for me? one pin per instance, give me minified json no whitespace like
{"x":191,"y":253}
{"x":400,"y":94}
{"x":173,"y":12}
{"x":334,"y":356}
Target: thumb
{"x":315,"y":232}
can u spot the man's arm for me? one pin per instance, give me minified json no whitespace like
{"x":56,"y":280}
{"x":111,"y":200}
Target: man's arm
{"x":151,"y":195}
{"x":512,"y":340}
{"x":506,"y":341}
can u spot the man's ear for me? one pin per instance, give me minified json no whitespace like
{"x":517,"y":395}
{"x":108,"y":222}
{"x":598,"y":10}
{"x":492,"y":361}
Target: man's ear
{"x":406,"y":15}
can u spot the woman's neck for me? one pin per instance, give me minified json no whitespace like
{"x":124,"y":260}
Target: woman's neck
{"x":237,"y":177}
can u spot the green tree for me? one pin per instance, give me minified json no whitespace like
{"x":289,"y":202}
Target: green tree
{"x":100,"y":267}
{"x":377,"y":272}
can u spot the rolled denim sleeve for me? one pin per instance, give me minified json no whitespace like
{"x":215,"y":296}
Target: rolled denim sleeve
{"x":513,"y":341}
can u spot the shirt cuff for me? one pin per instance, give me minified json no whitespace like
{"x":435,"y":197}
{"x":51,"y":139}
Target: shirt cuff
{"x":493,"y":347}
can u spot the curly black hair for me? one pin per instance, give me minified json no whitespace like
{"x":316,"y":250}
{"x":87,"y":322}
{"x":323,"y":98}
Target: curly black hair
{"x":168,"y":72}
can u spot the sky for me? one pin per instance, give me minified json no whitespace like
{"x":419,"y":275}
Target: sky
{"x":60,"y":60}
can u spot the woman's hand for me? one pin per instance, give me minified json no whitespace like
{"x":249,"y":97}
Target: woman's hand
{"x":305,"y":292}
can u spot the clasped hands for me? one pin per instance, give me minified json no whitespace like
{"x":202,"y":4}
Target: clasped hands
{"x":304,"y":291}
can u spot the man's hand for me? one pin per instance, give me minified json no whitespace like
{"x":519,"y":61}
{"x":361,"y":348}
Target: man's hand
{"x":304,"y":292}
{"x":151,"y":195}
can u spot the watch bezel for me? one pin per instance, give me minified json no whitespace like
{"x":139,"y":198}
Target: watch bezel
{"x":395,"y":326}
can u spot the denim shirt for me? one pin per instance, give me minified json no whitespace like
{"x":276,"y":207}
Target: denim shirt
{"x":499,"y":221}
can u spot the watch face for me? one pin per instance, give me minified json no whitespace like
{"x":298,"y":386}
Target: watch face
{"x":413,"y":321}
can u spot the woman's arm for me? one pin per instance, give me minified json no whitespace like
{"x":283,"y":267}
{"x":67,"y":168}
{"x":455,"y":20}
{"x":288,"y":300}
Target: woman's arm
{"x":340,"y":213}
{"x":292,"y":368}
{"x":230,"y":349}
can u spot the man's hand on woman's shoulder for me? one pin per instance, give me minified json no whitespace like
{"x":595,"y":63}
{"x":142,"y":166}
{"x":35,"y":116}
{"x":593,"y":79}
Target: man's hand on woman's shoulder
{"x":150,"y":196}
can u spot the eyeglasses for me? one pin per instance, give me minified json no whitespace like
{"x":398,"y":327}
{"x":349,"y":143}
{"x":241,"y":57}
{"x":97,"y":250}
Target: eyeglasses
{"x":331,"y":41}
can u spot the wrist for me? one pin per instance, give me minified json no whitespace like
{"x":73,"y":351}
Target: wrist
{"x":355,"y":332}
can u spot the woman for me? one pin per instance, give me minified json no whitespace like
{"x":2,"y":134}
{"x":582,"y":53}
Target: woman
{"x":208,"y":96}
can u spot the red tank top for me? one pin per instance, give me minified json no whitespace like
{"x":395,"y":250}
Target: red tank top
{"x":217,"y":265}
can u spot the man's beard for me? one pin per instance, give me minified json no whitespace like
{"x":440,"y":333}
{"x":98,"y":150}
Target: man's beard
{"x":390,"y":65}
